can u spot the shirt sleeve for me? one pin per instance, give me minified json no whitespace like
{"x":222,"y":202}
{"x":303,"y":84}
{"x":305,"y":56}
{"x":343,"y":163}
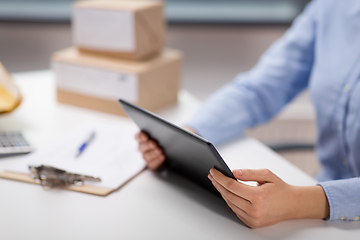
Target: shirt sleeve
{"x":343,"y":198}
{"x":256,"y":96}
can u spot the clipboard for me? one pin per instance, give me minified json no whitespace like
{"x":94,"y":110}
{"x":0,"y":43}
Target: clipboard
{"x":123,"y":169}
{"x":94,"y":190}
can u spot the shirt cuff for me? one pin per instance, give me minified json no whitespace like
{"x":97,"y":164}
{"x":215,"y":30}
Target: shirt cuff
{"x":344,"y":199}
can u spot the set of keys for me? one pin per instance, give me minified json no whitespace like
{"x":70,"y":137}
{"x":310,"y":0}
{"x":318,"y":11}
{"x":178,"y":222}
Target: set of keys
{"x":51,"y":177}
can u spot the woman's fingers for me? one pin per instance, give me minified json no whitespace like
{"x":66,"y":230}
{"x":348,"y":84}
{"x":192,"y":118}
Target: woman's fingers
{"x":154,"y":158}
{"x":141,"y":137}
{"x":231,"y":198}
{"x":147,"y":146}
{"x":151,"y":155}
{"x":238,"y":205}
{"x":270,"y":202}
{"x":257,"y":175}
{"x":237,"y":188}
{"x":156,"y":162}
{"x":151,"y":152}
{"x":243,"y":219}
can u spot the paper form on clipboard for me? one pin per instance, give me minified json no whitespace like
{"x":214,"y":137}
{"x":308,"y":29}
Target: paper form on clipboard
{"x":112,"y":156}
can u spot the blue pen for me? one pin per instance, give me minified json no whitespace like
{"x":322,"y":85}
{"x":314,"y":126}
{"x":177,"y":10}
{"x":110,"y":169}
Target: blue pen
{"x":85,"y":144}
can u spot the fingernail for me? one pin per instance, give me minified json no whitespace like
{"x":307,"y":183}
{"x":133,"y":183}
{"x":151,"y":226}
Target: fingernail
{"x":212,"y":171}
{"x":239,"y":171}
{"x":210,"y":177}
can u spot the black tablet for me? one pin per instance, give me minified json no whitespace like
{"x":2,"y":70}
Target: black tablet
{"x":186,"y":153}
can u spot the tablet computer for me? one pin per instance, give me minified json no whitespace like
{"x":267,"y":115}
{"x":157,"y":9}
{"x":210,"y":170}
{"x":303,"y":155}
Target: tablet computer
{"x":186,"y":153}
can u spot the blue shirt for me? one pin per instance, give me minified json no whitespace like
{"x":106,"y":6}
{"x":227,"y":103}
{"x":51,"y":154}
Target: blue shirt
{"x":320,"y":51}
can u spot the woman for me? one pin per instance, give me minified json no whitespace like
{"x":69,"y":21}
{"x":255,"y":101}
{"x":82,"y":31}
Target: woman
{"x":321,"y":51}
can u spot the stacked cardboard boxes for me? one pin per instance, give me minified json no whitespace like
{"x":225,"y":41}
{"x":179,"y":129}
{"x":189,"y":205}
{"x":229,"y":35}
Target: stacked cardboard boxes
{"x":118,"y":53}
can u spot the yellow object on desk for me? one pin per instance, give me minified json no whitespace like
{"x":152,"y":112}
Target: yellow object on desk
{"x":10,"y":96}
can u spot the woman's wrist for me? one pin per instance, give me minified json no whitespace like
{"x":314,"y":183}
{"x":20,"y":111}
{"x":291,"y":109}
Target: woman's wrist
{"x":309,"y":202}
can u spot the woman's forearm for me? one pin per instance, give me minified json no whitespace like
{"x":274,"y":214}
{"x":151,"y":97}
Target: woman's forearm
{"x":309,"y":202}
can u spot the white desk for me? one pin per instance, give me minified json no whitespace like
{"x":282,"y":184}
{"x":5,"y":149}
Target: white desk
{"x":151,"y":206}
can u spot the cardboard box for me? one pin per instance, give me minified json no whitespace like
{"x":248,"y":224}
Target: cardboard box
{"x":97,"y":82}
{"x":132,"y":29}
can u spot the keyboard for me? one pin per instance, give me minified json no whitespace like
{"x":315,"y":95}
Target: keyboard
{"x":13,"y":143}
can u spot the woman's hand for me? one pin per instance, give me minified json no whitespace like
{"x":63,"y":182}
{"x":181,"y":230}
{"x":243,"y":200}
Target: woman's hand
{"x":151,"y":152}
{"x":271,"y":201}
